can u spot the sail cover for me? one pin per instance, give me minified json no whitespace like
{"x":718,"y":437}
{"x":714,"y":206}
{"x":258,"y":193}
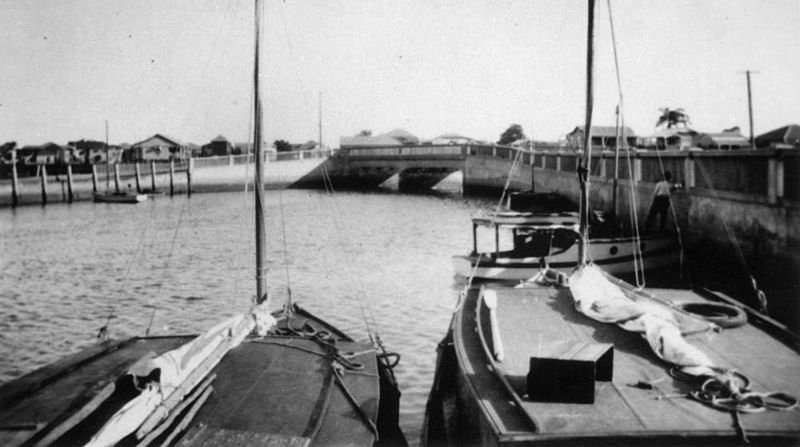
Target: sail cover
{"x":600,"y":299}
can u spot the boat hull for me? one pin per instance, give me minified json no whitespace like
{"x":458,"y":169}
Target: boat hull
{"x":119,"y":197}
{"x":614,"y":255}
{"x":478,"y":400}
{"x":276,"y":389}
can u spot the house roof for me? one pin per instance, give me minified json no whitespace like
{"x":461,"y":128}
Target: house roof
{"x":723,"y":139}
{"x":403,"y":136}
{"x":453,"y":136}
{"x":220,"y":139}
{"x":789,"y":134}
{"x":167,"y":139}
{"x":605,"y":131}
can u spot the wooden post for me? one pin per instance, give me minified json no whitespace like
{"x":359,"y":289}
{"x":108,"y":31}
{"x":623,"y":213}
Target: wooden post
{"x":153,"y":177}
{"x":63,"y":191}
{"x":116,"y":177}
{"x":189,"y":168}
{"x":94,"y":178}
{"x":138,"y":178}
{"x":70,"y":196}
{"x":44,"y":184}
{"x":14,"y":184}
{"x":171,"y":178}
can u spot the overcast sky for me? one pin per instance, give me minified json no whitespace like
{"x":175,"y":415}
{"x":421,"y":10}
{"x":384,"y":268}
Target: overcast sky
{"x":184,"y":68}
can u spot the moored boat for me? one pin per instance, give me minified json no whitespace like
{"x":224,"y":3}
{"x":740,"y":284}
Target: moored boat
{"x":258,"y":378}
{"x":551,"y":240}
{"x":119,"y":197}
{"x":588,"y":359}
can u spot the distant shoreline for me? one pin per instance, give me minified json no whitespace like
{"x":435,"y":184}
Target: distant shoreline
{"x":207,"y":179}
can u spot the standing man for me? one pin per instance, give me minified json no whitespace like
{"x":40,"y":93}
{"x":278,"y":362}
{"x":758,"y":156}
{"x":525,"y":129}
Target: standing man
{"x":661,"y":201}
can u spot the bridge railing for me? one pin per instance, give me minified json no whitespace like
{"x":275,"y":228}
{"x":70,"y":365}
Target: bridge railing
{"x":763,"y":175}
{"x":231,"y":160}
{"x":406,"y":151}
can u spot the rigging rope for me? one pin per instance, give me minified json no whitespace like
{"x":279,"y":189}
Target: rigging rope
{"x":760,"y":295}
{"x":103,"y":332}
{"x":165,"y":269}
{"x":508,"y":179}
{"x":638,"y":256}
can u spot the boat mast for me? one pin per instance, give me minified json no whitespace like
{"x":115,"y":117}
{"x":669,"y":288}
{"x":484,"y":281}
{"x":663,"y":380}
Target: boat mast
{"x":584,"y":169}
{"x":261,"y":243}
{"x":614,"y":202}
{"x":108,"y":161}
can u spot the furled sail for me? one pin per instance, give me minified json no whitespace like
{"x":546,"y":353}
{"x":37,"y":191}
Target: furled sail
{"x":600,"y":299}
{"x":179,"y":371}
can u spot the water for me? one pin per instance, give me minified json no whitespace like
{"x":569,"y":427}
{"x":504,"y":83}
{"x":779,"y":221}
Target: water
{"x":177,"y":265}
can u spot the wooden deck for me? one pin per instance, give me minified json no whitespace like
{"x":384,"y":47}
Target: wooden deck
{"x":534,"y":320}
{"x":273,"y":390}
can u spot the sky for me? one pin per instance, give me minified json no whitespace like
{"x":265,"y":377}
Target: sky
{"x":473,"y":67}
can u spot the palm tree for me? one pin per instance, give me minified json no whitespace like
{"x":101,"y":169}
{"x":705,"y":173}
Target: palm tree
{"x":673,"y":117}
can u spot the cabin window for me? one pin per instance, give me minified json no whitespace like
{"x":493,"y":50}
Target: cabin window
{"x":613,"y":250}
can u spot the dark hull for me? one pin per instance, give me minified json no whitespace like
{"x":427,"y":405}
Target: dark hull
{"x":277,"y":389}
{"x":478,"y":401}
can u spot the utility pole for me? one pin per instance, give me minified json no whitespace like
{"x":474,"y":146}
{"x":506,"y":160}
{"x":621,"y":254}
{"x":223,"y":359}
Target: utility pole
{"x":750,"y":108}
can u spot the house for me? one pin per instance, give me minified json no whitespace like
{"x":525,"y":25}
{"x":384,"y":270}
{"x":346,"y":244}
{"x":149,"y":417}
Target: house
{"x":670,"y":138}
{"x":217,"y":147}
{"x":603,"y":137}
{"x":453,"y":138}
{"x":786,"y":136}
{"x":45,"y":154}
{"x":159,"y":148}
{"x":722,"y":140}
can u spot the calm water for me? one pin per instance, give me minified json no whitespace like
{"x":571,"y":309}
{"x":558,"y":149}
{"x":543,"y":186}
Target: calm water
{"x":185,"y":263}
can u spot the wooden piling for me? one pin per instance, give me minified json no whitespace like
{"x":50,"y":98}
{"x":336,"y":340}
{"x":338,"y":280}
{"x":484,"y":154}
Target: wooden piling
{"x":70,"y":196}
{"x":116,"y":177}
{"x":171,"y":178}
{"x":138,"y":179}
{"x":189,"y":168}
{"x":152,"y":177}
{"x":63,"y":190}
{"x":94,"y":178}
{"x":44,"y":184}
{"x":14,"y":184}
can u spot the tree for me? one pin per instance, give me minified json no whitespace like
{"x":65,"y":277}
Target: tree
{"x":365,"y":133}
{"x":672,"y":117}
{"x":512,"y":134}
{"x":282,"y":146}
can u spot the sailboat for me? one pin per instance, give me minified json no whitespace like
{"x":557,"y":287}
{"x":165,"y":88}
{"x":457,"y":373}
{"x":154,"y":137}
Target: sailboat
{"x":587,"y":359}
{"x":117,"y":196}
{"x":259,"y":378}
{"x":543,"y":232}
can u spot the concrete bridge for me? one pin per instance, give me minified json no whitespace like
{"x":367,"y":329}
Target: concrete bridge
{"x":734,"y":204}
{"x":422,"y":167}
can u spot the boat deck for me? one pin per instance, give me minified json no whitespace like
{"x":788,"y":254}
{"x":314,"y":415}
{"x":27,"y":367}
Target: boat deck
{"x":534,"y":320}
{"x":273,"y":390}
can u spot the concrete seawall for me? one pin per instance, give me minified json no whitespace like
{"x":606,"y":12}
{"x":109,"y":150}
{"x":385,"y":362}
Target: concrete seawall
{"x":279,"y":174}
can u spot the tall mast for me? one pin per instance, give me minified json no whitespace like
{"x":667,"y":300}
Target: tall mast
{"x":261,"y":243}
{"x":108,"y":161}
{"x":586,"y":166}
{"x":614,"y":203}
